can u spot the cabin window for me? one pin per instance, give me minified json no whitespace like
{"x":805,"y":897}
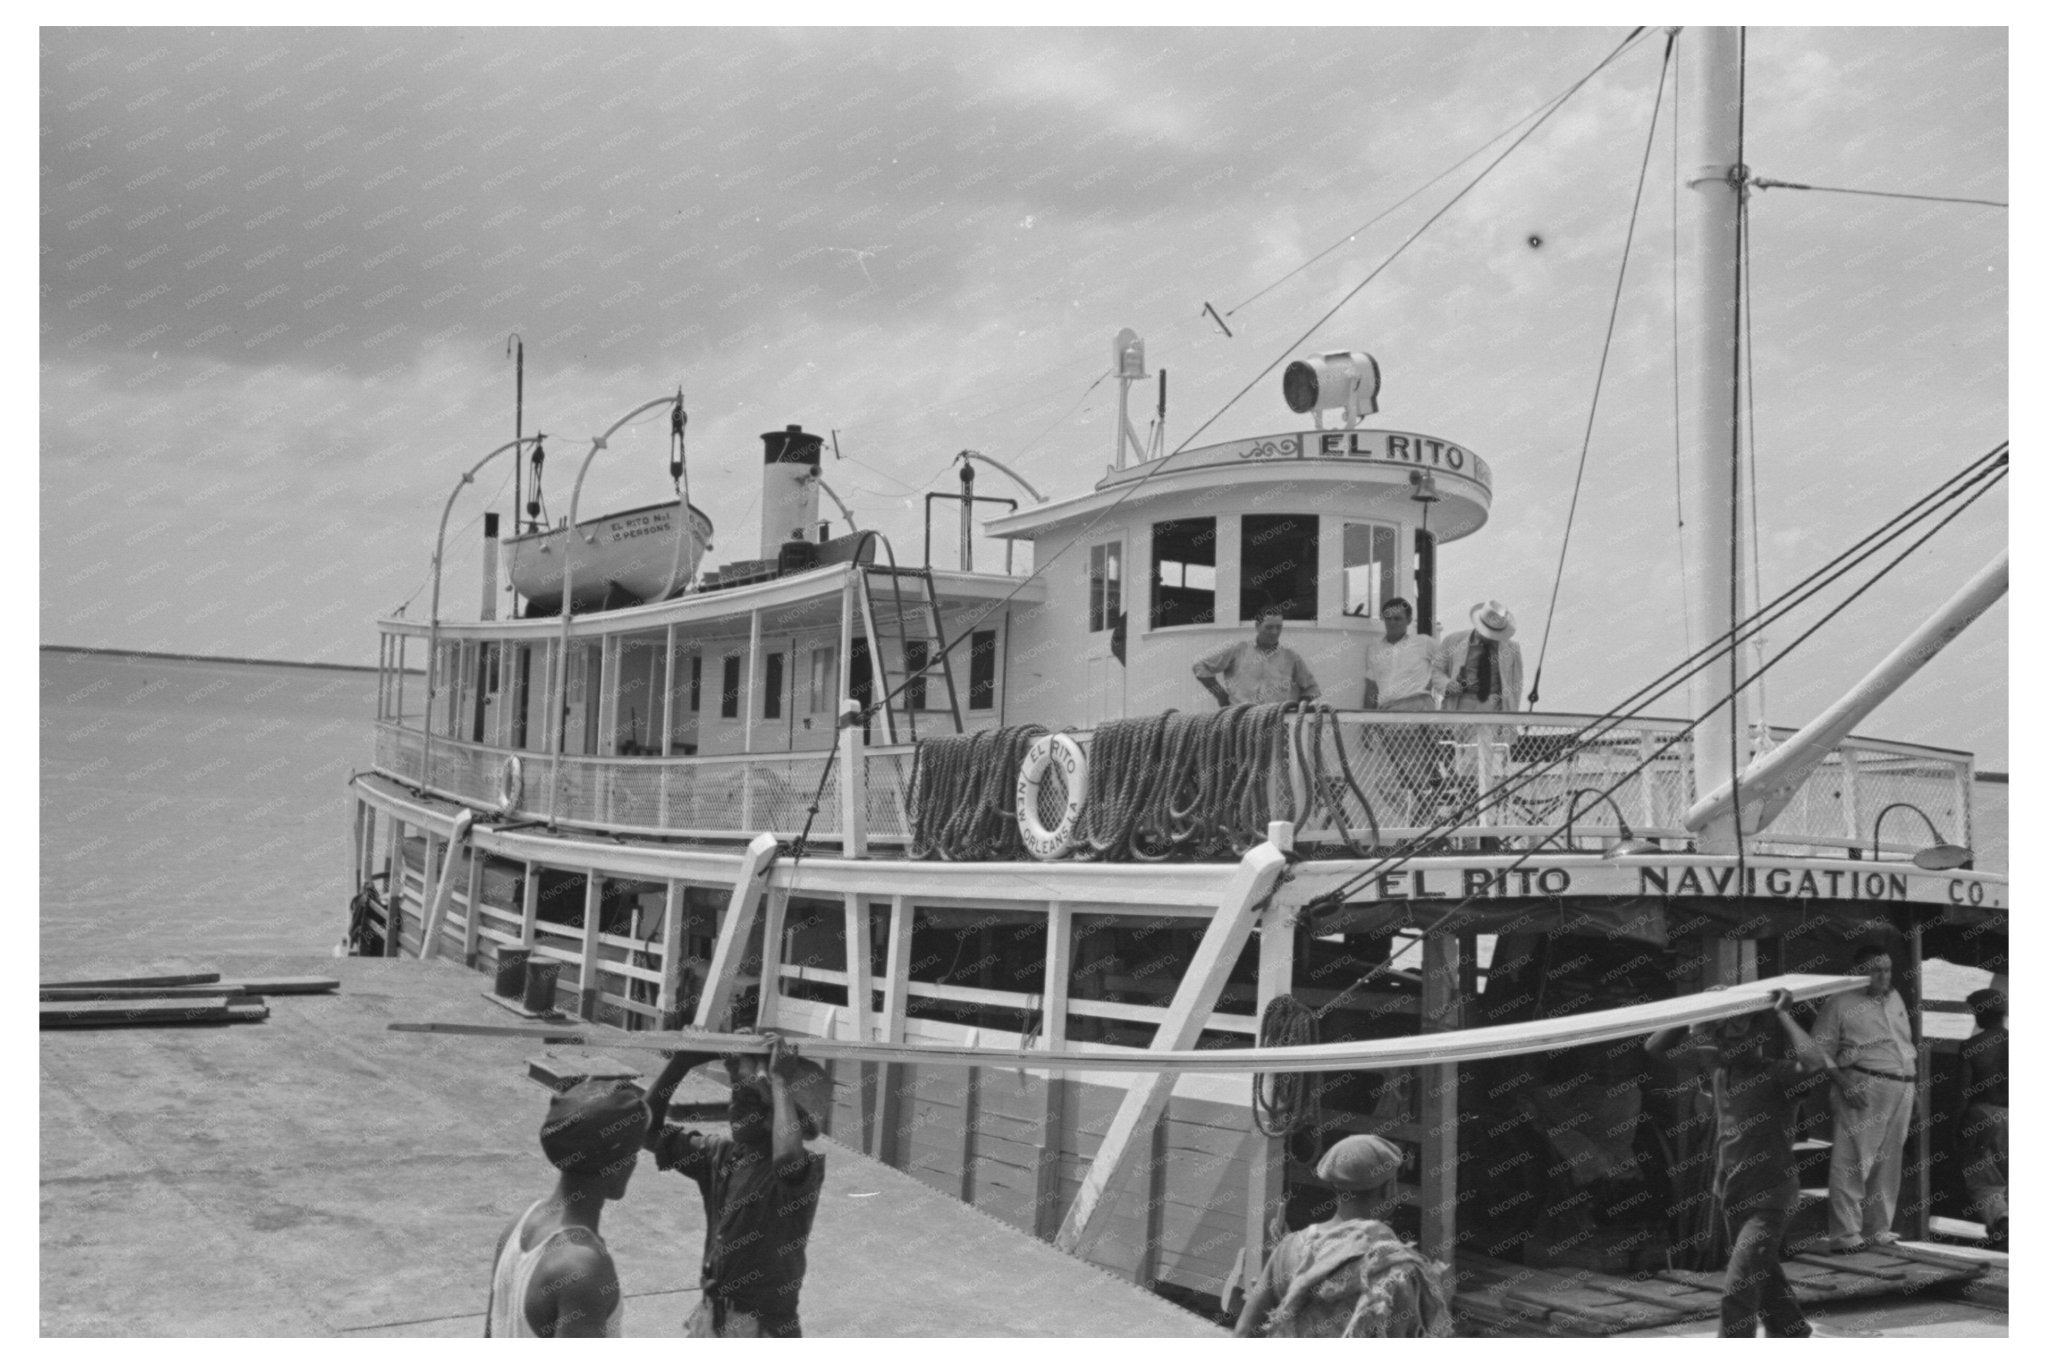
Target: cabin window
{"x":1369,"y":552}
{"x":981,"y":670}
{"x":729,"y":702}
{"x":1184,"y":572}
{"x":823,"y":678}
{"x":1105,"y":585}
{"x":1277,"y":566}
{"x":696,"y":682}
{"x":916,"y":658}
{"x":771,"y":690}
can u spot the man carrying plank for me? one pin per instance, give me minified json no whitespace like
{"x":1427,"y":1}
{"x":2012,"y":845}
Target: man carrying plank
{"x":554,"y":1277}
{"x":760,"y":1186}
{"x":1756,"y":1093}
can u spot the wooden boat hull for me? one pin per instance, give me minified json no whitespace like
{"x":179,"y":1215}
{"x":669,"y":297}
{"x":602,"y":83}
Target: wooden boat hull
{"x":630,"y":552}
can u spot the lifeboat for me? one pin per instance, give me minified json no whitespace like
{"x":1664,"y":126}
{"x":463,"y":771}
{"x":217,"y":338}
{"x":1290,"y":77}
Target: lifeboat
{"x":622,"y":559}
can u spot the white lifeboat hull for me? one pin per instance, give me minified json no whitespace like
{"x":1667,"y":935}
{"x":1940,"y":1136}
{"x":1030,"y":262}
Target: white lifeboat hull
{"x":629,"y":552}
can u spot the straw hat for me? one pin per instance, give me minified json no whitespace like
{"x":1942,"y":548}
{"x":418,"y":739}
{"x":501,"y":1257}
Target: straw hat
{"x":1493,"y":620}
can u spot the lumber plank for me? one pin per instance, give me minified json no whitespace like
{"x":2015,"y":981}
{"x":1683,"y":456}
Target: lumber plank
{"x":563,"y":1072}
{"x":77,"y":993}
{"x":131,"y":1013}
{"x":557,"y":1036}
{"x":1862,"y":1262}
{"x":1469,"y":1044}
{"x":137,"y":982}
{"x":247,"y":1010}
{"x":286,"y":985}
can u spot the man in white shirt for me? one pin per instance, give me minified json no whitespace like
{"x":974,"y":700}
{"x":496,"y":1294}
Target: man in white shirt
{"x":1868,"y":1037}
{"x":1401,"y":671}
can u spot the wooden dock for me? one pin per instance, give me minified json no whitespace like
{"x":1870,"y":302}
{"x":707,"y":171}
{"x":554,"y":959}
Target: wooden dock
{"x":320,"y":1175}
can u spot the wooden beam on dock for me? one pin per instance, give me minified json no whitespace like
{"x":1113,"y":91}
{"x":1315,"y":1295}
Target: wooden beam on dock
{"x":1194,"y":999}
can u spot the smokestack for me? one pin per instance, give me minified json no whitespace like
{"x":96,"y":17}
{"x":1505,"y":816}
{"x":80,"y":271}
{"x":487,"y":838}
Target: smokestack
{"x":490,"y":611}
{"x":789,"y":486}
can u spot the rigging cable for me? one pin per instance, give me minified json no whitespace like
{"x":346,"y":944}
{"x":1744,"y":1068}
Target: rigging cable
{"x":1762,"y":183}
{"x":1428,"y":223}
{"x":1600,"y":375}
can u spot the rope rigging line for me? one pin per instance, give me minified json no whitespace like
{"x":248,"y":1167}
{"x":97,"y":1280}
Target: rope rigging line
{"x":1760,"y":182}
{"x":1987,"y":470}
{"x":1352,"y":235}
{"x":1600,"y":375}
{"x":1413,"y":237}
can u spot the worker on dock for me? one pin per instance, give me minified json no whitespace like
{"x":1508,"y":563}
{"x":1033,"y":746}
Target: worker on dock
{"x":1259,"y":670}
{"x":1482,"y":666}
{"x":1987,"y":1160}
{"x":553,"y":1276}
{"x":760,"y":1187}
{"x":1867,"y":1033}
{"x":1349,"y":1275}
{"x":1757,"y":1088}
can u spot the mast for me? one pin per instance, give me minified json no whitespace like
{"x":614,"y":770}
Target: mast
{"x":1710,"y":75}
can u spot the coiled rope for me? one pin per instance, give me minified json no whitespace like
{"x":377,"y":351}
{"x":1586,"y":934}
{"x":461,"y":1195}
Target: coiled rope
{"x":963,"y":792}
{"x":1287,"y":1103}
{"x":1187,"y":784}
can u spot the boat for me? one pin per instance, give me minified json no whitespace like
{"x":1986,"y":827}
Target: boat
{"x":876,"y":802}
{"x":624,"y":557}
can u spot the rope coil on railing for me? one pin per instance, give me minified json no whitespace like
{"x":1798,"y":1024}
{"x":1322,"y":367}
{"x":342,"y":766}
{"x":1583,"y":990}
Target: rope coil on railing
{"x":963,"y":792}
{"x":1283,"y":1103}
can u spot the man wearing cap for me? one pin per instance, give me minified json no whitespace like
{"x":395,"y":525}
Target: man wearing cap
{"x":1259,"y":670}
{"x":553,"y":1276}
{"x":1756,"y":1180}
{"x":1482,"y":666}
{"x":760,"y":1187}
{"x":1987,"y":1160}
{"x":1867,"y":1035}
{"x":1349,"y":1275}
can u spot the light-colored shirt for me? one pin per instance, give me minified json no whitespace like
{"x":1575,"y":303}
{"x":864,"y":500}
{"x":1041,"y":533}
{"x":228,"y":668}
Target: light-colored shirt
{"x":1251,"y":676}
{"x":1403,"y":669}
{"x":1456,"y":649}
{"x":1856,"y":1030}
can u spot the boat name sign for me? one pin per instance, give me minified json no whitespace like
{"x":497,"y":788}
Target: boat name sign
{"x":1637,"y":876}
{"x":1393,"y":447}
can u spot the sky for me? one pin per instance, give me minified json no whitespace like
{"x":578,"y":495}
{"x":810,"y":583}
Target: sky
{"x":279,"y":270}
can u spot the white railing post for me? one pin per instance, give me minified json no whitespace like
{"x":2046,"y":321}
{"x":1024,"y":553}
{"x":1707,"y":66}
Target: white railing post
{"x":1852,"y":807}
{"x":722,"y":981}
{"x":853,"y":782}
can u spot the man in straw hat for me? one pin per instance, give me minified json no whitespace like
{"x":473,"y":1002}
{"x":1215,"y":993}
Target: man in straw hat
{"x":1483,"y":664}
{"x":1757,"y":1087}
{"x":553,"y":1277}
{"x":1349,"y":1275}
{"x":1987,"y":1159}
{"x":760,"y":1186}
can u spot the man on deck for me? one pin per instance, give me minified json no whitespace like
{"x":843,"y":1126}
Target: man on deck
{"x":760,"y":1187}
{"x":1867,"y":1035}
{"x":554,"y":1277}
{"x":1757,"y":1088}
{"x":1987,"y":1160}
{"x":1400,"y":669}
{"x":1482,"y":666}
{"x":1258,"y":670}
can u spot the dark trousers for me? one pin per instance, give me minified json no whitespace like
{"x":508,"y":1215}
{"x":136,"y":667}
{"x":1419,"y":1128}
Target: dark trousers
{"x":1756,"y":1286}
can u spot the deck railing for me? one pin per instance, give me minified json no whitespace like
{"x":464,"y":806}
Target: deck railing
{"x":1377,"y":778}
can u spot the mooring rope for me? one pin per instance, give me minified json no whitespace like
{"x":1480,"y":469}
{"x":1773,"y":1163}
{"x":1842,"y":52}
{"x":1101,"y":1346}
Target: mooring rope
{"x":963,"y":795}
{"x":1283,"y":1104}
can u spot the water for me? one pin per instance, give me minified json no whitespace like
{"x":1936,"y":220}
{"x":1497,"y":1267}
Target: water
{"x":194,"y":807}
{"x":191,"y":808}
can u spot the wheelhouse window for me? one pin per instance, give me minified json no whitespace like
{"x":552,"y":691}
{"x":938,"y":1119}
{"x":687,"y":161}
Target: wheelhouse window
{"x":1184,"y":572}
{"x":1277,"y":566}
{"x":1369,"y":560}
{"x":981,"y":670}
{"x":729,"y":702}
{"x":771,"y":688}
{"x":1105,"y":585}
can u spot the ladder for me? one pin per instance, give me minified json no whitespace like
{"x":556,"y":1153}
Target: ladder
{"x":899,"y":608}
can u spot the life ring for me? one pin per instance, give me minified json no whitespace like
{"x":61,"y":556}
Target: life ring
{"x":511,"y":783}
{"x":1046,"y":753}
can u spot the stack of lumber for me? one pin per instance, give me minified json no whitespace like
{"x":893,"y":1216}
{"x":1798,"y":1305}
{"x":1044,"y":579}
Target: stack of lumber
{"x":165,"y":1000}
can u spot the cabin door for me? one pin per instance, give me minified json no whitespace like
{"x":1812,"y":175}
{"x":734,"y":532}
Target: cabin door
{"x":1103,"y":652}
